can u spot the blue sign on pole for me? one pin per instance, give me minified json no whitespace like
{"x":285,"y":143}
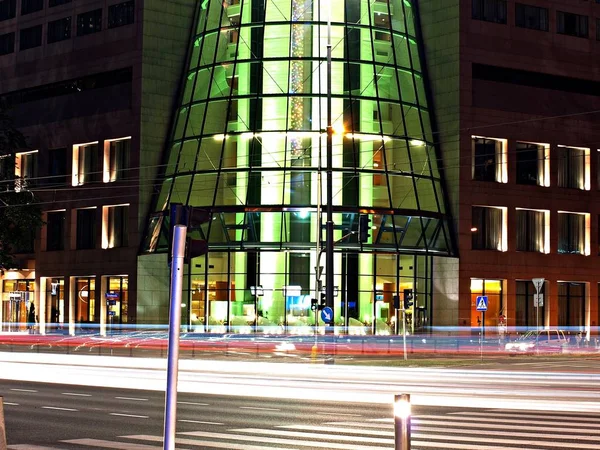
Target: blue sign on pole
{"x":482,"y":303}
{"x":112,"y":313}
{"x":327,"y":315}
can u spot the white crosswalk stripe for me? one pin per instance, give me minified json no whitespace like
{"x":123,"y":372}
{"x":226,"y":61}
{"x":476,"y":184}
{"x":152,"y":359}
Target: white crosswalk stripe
{"x":461,"y":430}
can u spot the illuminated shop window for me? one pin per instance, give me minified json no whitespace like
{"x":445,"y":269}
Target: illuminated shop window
{"x":488,"y":229}
{"x":489,"y":159}
{"x":493,"y":290}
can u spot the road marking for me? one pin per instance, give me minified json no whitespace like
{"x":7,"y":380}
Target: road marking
{"x":11,"y":404}
{"x":521,"y":443}
{"x":528,"y":416}
{"x":59,"y":409}
{"x":379,"y":426}
{"x":111,"y":444}
{"x":454,"y":446}
{"x":260,"y":409}
{"x":264,"y":439}
{"x":501,"y":423}
{"x":76,"y":394}
{"x":373,"y":431}
{"x":133,"y":398}
{"x":321,"y":436}
{"x":511,"y":433}
{"x":29,"y":447}
{"x":24,"y":390}
{"x":338,"y":414}
{"x":200,"y":421}
{"x":193,"y":403}
{"x":205,"y":444}
{"x":129,"y":415}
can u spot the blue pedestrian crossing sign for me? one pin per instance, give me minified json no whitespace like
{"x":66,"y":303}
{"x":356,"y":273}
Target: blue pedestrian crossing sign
{"x":481,"y":303}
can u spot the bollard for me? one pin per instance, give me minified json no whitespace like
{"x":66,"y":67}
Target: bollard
{"x":402,"y":422}
{"x":2,"y":427}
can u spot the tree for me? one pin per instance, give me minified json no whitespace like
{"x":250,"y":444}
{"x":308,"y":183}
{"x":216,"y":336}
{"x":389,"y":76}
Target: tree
{"x":20,"y":212}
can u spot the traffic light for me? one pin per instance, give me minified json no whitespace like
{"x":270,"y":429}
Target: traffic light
{"x":314,"y":304}
{"x":396,"y":302}
{"x":323,"y":299}
{"x":364,"y":227}
{"x":408,"y":298}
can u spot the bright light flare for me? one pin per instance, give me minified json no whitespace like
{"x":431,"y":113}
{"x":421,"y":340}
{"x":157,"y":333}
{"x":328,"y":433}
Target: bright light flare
{"x":402,"y":406}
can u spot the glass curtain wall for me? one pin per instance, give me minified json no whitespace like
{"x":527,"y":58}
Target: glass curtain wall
{"x":249,"y":144}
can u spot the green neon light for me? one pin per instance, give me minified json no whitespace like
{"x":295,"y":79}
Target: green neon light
{"x":407,"y":3}
{"x":197,"y":42}
{"x":204,"y":3}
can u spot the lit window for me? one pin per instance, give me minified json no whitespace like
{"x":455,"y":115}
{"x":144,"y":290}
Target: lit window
{"x":573,"y":167}
{"x":573,"y":233}
{"x":116,"y":159}
{"x":114,"y":228}
{"x":86,"y":163}
{"x":488,"y":228}
{"x":533,"y":164}
{"x":25,"y":170}
{"x":532,"y":230}
{"x":489,"y":159}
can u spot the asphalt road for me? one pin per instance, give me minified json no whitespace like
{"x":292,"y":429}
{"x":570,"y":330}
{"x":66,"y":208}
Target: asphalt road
{"x":53,"y":416}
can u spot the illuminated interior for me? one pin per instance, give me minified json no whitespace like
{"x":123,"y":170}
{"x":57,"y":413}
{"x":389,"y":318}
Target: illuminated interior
{"x":249,"y":144}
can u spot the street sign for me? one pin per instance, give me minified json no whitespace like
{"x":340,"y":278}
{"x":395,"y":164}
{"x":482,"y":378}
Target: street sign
{"x":327,"y":314}
{"x":538,"y":300}
{"x":538,"y":283}
{"x":481,"y":303}
{"x":112,"y":313}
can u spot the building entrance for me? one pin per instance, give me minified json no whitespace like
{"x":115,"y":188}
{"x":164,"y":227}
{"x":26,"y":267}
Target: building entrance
{"x":14,"y":311}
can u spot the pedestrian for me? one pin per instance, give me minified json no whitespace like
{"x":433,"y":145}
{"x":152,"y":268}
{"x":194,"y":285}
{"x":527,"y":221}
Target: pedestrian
{"x":31,"y":318}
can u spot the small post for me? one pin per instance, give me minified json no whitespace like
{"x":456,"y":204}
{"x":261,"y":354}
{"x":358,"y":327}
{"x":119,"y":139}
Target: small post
{"x":402,"y":422}
{"x":179,"y":235}
{"x":3,"y":445}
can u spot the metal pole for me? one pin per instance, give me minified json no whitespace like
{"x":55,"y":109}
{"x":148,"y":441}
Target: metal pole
{"x":402,"y":422}
{"x":404,"y":333}
{"x":537,"y":320}
{"x":179,"y":235}
{"x":329,"y":225}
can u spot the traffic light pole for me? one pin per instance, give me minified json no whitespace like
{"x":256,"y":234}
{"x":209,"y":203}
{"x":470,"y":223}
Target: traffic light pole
{"x":178,"y":253}
{"x":329,"y":269}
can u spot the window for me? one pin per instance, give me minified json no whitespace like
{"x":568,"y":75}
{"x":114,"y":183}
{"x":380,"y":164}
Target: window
{"x":115,"y":220}
{"x":30,"y":6}
{"x":87,"y":164}
{"x":531,"y":226}
{"x":571,"y":305}
{"x":531,"y":17}
{"x":571,"y":24}
{"x":571,"y":233}
{"x":490,"y":10}
{"x":489,"y":159}
{"x":53,"y":3}
{"x":8,"y":9}
{"x":25,"y":170}
{"x":7,"y":43}
{"x":31,"y":37}
{"x":488,"y":231}
{"x":118,"y":159}
{"x":120,"y":14}
{"x":55,"y":230}
{"x":573,"y":167}
{"x":89,"y":22}
{"x":86,"y":228}
{"x":533,"y":161}
{"x":57,"y":173}
{"x":527,"y":315}
{"x":59,"y":30}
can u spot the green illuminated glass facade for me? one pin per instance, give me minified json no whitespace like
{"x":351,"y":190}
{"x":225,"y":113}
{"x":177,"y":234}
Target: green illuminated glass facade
{"x":249,"y":144}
